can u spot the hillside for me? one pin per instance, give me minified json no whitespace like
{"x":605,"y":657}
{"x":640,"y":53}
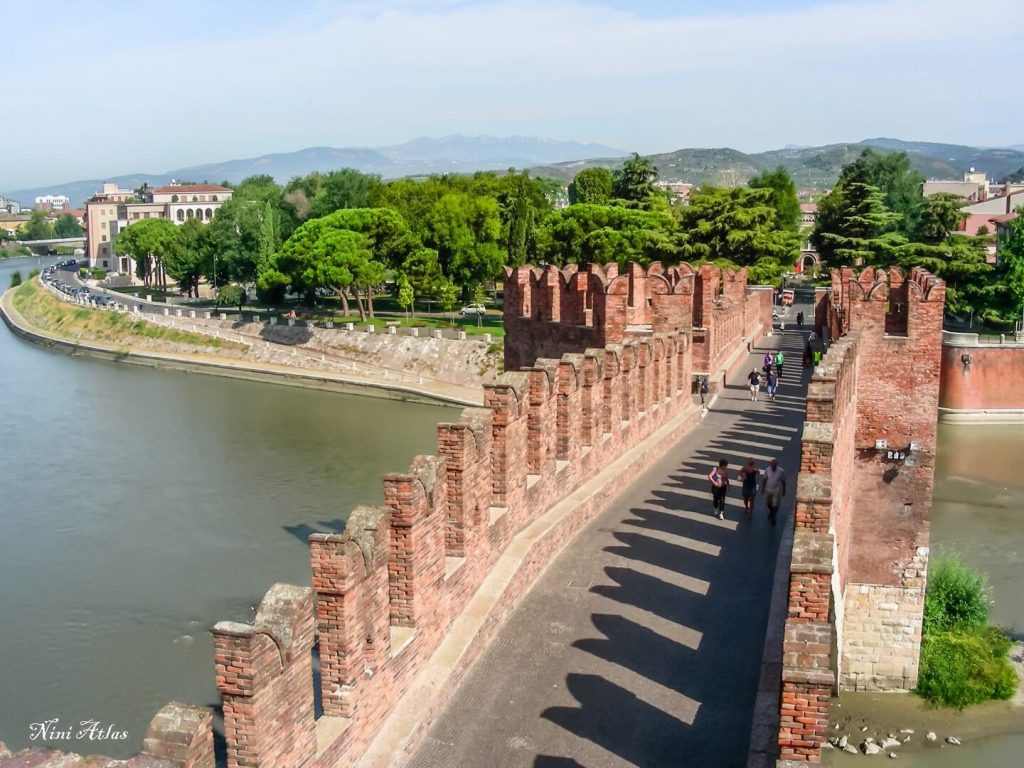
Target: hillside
{"x":422,"y":156}
{"x":810,"y":167}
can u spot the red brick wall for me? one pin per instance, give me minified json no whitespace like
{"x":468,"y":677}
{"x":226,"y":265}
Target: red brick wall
{"x":549,"y":312}
{"x":860,"y":546}
{"x":992,"y":381}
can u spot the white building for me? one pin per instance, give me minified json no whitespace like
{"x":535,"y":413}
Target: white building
{"x":52,"y":202}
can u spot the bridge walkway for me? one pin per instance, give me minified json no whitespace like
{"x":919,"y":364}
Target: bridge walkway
{"x":642,"y":643}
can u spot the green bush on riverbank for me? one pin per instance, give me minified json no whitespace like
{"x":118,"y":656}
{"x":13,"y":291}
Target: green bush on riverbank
{"x":963,"y":658}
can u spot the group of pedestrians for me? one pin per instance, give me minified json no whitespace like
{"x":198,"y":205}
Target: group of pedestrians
{"x":772,"y":481}
{"x":770,"y":374}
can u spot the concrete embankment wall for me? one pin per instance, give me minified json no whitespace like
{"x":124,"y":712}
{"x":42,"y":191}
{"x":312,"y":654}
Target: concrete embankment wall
{"x":982,"y":382}
{"x":270,"y":364}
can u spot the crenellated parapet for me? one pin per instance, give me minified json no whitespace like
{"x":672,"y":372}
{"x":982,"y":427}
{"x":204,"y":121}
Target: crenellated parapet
{"x":551,"y":311}
{"x":389,"y":588}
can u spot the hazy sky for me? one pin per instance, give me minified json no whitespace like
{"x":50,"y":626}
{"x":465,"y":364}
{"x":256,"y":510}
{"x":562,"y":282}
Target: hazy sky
{"x":101,"y":89}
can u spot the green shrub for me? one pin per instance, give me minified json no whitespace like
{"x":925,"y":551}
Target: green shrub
{"x":15,"y":279}
{"x":957,"y":597}
{"x":33,"y":273}
{"x":959,"y":668}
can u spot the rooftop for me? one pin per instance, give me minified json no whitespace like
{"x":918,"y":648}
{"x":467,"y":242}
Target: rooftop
{"x":177,"y":189}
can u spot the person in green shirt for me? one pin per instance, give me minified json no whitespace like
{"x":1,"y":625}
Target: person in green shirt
{"x":779,"y":359}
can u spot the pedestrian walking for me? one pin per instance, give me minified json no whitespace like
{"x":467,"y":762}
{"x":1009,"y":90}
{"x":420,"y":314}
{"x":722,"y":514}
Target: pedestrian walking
{"x":800,"y":319}
{"x":771,"y":383}
{"x":773,"y":488}
{"x":748,"y":476}
{"x":779,"y":359}
{"x":755,"y":383}
{"x":703,"y":388}
{"x":768,"y":360}
{"x":719,"y":477}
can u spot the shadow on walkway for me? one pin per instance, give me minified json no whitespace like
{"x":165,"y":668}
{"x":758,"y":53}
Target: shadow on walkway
{"x":641,"y":644}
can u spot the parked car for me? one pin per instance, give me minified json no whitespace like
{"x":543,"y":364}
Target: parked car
{"x":472,"y":310}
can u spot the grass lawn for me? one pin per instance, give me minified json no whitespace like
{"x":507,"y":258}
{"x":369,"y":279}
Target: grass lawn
{"x":44,"y":311}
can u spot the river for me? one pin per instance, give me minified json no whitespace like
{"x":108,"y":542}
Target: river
{"x":977,"y":514}
{"x":139,"y":507}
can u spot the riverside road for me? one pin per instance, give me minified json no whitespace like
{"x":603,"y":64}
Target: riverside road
{"x":642,"y":643}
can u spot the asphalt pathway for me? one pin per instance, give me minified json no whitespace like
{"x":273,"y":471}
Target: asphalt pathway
{"x":641,"y":644}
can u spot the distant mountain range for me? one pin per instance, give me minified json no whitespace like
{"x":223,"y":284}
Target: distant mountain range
{"x":419,"y":157}
{"x":811,"y":167}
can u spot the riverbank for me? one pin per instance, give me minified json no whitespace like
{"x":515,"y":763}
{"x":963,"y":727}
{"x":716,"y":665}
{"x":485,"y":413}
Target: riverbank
{"x":909,"y":718}
{"x":222,"y":361}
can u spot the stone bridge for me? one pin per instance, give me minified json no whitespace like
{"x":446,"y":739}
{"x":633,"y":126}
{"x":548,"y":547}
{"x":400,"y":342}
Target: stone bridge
{"x":477,"y":612}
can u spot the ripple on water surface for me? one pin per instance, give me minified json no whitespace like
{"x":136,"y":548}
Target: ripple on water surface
{"x":139,"y":507}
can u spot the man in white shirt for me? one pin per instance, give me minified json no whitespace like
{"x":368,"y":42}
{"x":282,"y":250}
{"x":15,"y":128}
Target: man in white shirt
{"x":773,"y":488}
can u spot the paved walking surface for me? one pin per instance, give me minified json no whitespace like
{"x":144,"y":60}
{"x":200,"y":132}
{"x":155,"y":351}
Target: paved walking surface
{"x":642,"y":643}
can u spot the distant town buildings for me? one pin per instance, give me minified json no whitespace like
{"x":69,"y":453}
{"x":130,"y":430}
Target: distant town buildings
{"x":52,"y":203}
{"x":974,"y":188}
{"x":9,"y":206}
{"x":808,"y":255}
{"x":113,"y":209}
{"x":678,"y":191}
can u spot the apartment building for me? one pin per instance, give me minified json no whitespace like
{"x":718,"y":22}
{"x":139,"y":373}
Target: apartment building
{"x":112,"y":210}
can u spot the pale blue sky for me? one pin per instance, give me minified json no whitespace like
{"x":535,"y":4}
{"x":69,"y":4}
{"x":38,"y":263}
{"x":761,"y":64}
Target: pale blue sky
{"x":101,"y":89}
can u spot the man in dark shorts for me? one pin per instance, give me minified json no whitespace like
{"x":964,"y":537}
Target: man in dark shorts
{"x":773,"y":488}
{"x":719,"y":478}
{"x":771,"y":383}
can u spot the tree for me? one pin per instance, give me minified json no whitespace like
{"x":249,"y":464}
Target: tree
{"x":423,"y":270}
{"x":346,"y":188}
{"x":855,"y":227}
{"x":783,"y":198}
{"x":349,"y":249}
{"x":890,"y":173}
{"x":149,"y":242}
{"x":465,"y":230}
{"x":405,"y":297}
{"x":448,"y":295}
{"x":67,"y":226}
{"x":250,"y":227}
{"x":1011,"y":259}
{"x":36,"y":228}
{"x":231,"y":295}
{"x":592,"y":185}
{"x":585,"y":233}
{"x":192,"y":256}
{"x":940,"y":215}
{"x":736,"y":224}
{"x":634,"y":182}
{"x":522,"y":203}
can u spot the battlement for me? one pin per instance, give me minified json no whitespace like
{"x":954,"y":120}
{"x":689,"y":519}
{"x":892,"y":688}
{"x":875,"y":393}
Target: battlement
{"x":551,"y":311}
{"x":392,"y":583}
